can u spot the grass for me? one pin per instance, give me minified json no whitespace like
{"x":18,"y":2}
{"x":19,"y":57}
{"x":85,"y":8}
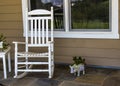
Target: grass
{"x":90,"y":25}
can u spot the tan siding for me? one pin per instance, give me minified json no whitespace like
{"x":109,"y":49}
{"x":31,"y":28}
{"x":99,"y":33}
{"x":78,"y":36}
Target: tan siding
{"x":9,"y":2}
{"x":11,"y":17}
{"x":87,"y":43}
{"x":12,"y":33}
{"x":11,"y":21}
{"x":10,"y":9}
{"x":10,"y":25}
{"x":95,"y":51}
{"x":91,"y":61}
{"x":88,"y":52}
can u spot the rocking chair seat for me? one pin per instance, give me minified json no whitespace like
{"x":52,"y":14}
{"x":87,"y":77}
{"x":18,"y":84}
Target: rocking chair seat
{"x":32,"y":54}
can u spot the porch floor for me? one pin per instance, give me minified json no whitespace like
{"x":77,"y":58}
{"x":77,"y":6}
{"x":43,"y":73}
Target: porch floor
{"x":94,"y":76}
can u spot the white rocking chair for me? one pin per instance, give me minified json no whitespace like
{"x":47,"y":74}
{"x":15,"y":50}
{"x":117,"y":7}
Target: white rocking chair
{"x":38,"y":33}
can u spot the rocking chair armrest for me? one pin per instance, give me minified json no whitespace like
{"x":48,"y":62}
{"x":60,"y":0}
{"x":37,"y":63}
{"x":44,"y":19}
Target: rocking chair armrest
{"x":50,"y":42}
{"x":18,"y":42}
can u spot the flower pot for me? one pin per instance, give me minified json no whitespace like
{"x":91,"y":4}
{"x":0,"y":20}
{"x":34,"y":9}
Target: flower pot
{"x":1,"y":44}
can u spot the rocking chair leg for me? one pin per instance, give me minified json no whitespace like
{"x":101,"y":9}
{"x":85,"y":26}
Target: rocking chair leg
{"x":16,"y":67}
{"x":26,"y":59}
{"x":50,"y":73}
{"x":52,"y":69}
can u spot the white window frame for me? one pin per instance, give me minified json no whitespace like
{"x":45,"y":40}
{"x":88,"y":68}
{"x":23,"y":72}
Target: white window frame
{"x":112,"y":34}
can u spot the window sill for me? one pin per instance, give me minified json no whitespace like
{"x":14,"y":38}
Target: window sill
{"x":96,"y":35}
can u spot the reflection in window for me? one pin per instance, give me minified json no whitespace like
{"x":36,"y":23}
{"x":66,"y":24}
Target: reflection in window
{"x":58,"y":10}
{"x":90,"y":14}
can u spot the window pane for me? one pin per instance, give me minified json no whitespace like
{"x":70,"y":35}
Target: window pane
{"x":90,"y":14}
{"x":58,"y":10}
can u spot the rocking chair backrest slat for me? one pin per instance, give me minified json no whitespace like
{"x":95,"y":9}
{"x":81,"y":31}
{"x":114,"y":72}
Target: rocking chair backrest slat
{"x":39,"y":32}
{"x":31,"y":32}
{"x":40,"y":26}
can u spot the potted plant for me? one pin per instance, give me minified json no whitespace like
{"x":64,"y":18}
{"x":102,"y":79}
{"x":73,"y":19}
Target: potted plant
{"x":78,"y":65}
{"x":78,"y":60}
{"x":3,"y":42}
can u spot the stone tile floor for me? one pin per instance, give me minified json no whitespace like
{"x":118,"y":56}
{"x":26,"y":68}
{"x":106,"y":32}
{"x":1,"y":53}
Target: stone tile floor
{"x":61,"y":74}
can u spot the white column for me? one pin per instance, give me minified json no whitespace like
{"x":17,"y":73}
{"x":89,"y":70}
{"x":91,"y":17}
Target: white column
{"x":24,"y":14}
{"x":115,"y":14}
{"x":67,"y":14}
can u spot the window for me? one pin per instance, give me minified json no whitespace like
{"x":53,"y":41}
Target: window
{"x":90,"y":14}
{"x":82,"y":18}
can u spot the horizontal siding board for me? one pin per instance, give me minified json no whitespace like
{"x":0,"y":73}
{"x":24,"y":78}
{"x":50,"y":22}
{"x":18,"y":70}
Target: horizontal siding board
{"x":12,"y":28}
{"x":10,"y":17}
{"x":103,"y":61}
{"x":10,"y":39}
{"x":90,"y":61}
{"x":10,"y":9}
{"x":92,"y":52}
{"x":12,"y":33}
{"x":9,"y":2}
{"x":88,"y":43}
{"x":63,"y":59}
{"x":11,"y":24}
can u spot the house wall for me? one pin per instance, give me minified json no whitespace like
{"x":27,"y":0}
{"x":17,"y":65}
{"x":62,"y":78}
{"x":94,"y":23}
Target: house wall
{"x":102,"y":52}
{"x":11,"y":20}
